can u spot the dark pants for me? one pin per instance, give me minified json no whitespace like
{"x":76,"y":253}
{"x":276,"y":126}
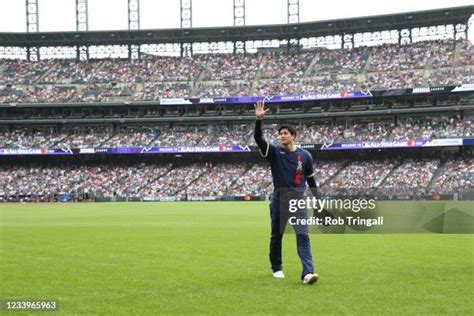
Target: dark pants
{"x":278,"y":222}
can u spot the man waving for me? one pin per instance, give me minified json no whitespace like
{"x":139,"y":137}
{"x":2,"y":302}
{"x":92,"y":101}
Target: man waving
{"x":291,"y":168}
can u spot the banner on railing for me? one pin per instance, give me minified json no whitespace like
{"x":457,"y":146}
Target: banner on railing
{"x":318,"y":96}
{"x":385,"y":144}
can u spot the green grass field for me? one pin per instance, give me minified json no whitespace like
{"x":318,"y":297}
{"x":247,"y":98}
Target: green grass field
{"x":144,"y":258}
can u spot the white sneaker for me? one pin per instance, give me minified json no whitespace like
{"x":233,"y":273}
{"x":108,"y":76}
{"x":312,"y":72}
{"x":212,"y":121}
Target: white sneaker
{"x":310,"y":278}
{"x":279,"y":274}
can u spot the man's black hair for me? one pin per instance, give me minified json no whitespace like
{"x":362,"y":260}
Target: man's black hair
{"x":289,"y":128}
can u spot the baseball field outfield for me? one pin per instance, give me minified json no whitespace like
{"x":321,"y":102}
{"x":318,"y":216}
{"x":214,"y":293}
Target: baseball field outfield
{"x":212,"y":257}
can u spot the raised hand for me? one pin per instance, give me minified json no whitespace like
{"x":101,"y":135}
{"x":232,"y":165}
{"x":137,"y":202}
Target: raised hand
{"x":260,"y":110}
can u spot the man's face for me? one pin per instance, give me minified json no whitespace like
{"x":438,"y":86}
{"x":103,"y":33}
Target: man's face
{"x":285,"y":137}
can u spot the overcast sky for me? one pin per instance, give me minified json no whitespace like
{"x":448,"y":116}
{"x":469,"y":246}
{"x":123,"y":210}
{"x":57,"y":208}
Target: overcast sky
{"x":59,"y":15}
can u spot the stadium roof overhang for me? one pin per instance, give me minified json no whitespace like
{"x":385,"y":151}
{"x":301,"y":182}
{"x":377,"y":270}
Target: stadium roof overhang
{"x":408,"y":20}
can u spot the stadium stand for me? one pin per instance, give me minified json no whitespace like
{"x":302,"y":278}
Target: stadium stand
{"x":455,"y":176}
{"x":116,"y":102}
{"x":36,"y":182}
{"x":313,"y":132}
{"x":410,"y":176}
{"x":319,"y":70}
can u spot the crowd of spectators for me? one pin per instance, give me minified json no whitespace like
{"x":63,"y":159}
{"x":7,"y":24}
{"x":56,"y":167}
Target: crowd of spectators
{"x":359,"y":177}
{"x":433,"y":127}
{"x":443,"y":53}
{"x":332,"y":83}
{"x":230,"y":67}
{"x":455,"y":176}
{"x":314,"y":132}
{"x":109,"y":181}
{"x":31,"y":138}
{"x":308,"y":133}
{"x":23,"y":72}
{"x":340,"y":61}
{"x":393,"y":80}
{"x":153,"y":91}
{"x":87,"y":137}
{"x":92,"y":181}
{"x":411,"y":176}
{"x":132,"y":137}
{"x":221,"y":88}
{"x":390,"y":57}
{"x":223,"y":135}
{"x":195,"y":181}
{"x":181,"y":136}
{"x":175,"y":182}
{"x":284,"y":66}
{"x":451,"y":76}
{"x":216,"y":181}
{"x":325,"y":170}
{"x":388,"y":66}
{"x":466,"y":53}
{"x":282,"y":86}
{"x":256,"y":181}
{"x":408,"y":128}
{"x":146,"y":69}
